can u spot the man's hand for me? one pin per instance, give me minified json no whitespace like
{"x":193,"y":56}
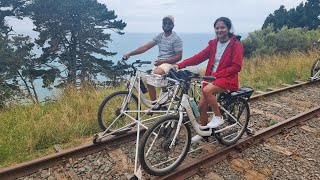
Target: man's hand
{"x":175,"y":67}
{"x":158,"y":62}
{"x":126,"y":56}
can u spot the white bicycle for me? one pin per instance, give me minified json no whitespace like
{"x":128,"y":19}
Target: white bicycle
{"x":121,"y":110}
{"x":315,"y":69}
{"x":166,"y":143}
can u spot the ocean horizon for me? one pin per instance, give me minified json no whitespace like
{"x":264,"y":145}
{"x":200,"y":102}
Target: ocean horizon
{"x":122,"y":44}
{"x":192,"y":44}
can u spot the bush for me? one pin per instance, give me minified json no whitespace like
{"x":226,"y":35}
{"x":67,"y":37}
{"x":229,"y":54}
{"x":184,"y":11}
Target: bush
{"x":267,"y":42}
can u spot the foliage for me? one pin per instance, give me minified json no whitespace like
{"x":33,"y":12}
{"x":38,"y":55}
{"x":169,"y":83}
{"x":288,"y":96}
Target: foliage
{"x":285,"y":40}
{"x":306,"y":15}
{"x":18,"y":68}
{"x":73,"y":34}
{"x":10,"y":8}
{"x":30,"y":131}
{"x":271,"y":122}
{"x":262,"y":72}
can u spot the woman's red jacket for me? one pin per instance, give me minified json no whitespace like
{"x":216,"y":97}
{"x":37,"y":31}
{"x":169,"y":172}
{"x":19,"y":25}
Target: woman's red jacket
{"x":229,"y":65}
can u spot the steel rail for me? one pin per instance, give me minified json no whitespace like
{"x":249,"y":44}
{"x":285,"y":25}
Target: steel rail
{"x":191,"y":168}
{"x":32,"y":166}
{"x":266,"y":94}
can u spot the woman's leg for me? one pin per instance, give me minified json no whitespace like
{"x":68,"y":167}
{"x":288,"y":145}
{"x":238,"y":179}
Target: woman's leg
{"x":203,"y":108}
{"x":208,"y":97}
{"x":209,"y":93}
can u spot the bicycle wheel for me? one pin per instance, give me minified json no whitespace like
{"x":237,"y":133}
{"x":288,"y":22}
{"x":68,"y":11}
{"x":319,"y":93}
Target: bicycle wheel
{"x":239,"y":109}
{"x":155,"y":154}
{"x":109,"y":112}
{"x":315,"y":67}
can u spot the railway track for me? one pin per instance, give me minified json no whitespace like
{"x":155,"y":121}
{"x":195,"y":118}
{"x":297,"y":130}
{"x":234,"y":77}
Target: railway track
{"x":61,"y":165}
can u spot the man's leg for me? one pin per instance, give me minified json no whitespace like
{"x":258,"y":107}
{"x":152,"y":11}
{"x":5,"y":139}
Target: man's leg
{"x":152,"y":92}
{"x":152,"y":89}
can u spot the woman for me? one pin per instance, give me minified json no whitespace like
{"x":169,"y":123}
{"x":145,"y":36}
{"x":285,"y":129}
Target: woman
{"x":225,"y":55}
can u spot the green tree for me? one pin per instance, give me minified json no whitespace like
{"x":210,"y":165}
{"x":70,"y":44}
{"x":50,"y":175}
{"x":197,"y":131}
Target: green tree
{"x":312,"y":11}
{"x":305,"y":15}
{"x":278,"y":19}
{"x":15,"y":55}
{"x":6,"y":89}
{"x":19,"y":68}
{"x":74,"y":34}
{"x":10,"y":8}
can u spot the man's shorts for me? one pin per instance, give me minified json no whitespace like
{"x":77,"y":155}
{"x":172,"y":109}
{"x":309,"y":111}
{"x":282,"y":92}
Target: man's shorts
{"x":165,"y":66}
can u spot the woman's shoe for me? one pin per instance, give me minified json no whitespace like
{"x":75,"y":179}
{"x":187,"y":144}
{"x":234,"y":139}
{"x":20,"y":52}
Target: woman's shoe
{"x":215,"y":122}
{"x":196,"y":138}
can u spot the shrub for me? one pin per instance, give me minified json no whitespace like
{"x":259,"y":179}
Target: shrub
{"x":267,"y":42}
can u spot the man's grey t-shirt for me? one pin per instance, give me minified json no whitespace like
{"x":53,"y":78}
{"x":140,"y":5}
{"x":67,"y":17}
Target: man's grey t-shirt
{"x":168,"y":46}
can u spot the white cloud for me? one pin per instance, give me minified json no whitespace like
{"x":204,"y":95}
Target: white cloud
{"x":195,"y":16}
{"x":190,"y":15}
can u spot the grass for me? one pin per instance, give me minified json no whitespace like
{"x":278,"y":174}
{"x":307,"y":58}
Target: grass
{"x":264,"y":72}
{"x":30,"y":131}
{"x":271,"y":122}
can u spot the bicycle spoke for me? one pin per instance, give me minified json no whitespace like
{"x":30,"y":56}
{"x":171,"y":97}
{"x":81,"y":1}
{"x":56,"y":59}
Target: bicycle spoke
{"x":159,"y":154}
{"x":237,"y":122}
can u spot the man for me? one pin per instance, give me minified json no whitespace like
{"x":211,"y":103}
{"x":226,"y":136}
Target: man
{"x":170,"y":52}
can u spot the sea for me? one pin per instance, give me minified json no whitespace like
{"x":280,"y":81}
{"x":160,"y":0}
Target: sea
{"x":122,"y":44}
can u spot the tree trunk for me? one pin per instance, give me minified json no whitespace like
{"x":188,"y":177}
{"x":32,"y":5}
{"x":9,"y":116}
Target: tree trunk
{"x":34,"y":91}
{"x":30,"y":95}
{"x":73,"y":60}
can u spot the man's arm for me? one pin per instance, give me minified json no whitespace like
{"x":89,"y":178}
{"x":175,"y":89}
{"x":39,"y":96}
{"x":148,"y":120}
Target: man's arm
{"x":172,"y":60}
{"x":139,"y":50}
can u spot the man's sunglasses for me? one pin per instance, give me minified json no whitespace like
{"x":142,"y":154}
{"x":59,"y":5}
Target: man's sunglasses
{"x":167,"y":23}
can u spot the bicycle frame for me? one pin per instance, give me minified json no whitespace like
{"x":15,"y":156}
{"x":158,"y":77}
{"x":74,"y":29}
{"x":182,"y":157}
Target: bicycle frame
{"x":200,"y":130}
{"x":134,"y":83}
{"x":317,"y":74}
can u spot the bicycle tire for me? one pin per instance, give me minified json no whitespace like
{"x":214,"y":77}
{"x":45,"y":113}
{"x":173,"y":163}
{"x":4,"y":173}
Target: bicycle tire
{"x":164,"y":135}
{"x":113,"y":112}
{"x":315,"y":67}
{"x":222,"y":138}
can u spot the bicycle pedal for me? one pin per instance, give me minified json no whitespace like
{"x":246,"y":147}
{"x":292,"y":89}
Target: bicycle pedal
{"x":250,"y":132}
{"x":206,"y":138}
{"x":164,"y":108}
{"x":149,"y":113}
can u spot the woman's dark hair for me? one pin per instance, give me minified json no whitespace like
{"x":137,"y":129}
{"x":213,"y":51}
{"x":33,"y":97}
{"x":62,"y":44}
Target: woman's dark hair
{"x":227,"y":22}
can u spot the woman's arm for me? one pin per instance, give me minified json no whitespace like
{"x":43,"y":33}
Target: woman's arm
{"x":196,"y":59}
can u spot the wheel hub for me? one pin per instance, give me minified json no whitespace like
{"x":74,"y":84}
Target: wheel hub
{"x":118,"y":112}
{"x":165,"y":145}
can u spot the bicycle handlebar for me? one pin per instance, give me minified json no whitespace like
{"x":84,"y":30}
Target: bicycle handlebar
{"x":190,"y":75}
{"x":143,"y":62}
{"x":138,"y":61}
{"x":208,"y":78}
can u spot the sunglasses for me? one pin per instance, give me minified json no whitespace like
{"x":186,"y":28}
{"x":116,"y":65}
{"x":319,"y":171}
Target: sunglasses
{"x":167,"y":23}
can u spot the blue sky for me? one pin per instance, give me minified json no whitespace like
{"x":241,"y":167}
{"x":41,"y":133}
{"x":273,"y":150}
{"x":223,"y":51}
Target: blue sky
{"x":195,"y":15}
{"x":191,"y":16}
